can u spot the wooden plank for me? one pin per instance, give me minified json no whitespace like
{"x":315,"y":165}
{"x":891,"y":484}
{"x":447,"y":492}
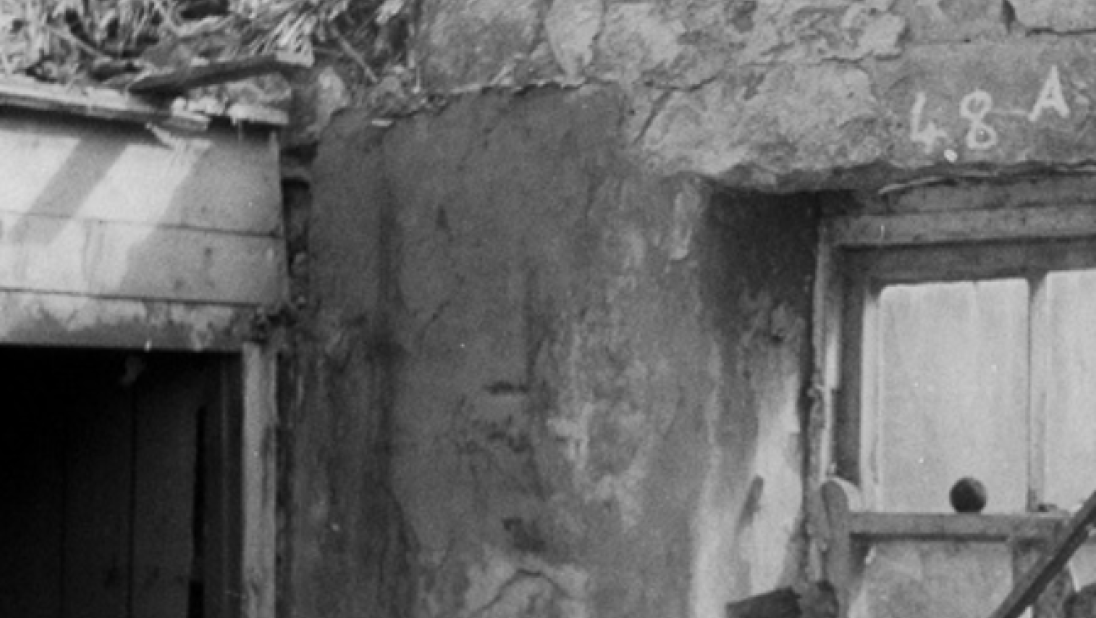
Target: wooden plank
{"x":854,"y":438}
{"x":170,"y":393}
{"x":95,"y":103}
{"x":964,"y":226}
{"x":259,"y":480}
{"x":225,"y":179}
{"x":119,"y":260}
{"x":826,"y":334}
{"x":98,"y":497}
{"x":1029,"y":588}
{"x":1039,"y":359}
{"x":196,"y":76}
{"x":870,"y":526}
{"x":839,"y":499}
{"x":221,"y":545}
{"x":32,"y":318}
{"x":825,"y":384}
{"x":918,"y":264}
{"x":1034,"y":192}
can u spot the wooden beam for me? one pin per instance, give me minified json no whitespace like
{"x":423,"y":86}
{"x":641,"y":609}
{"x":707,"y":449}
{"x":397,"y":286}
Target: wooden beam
{"x":29,"y":318}
{"x":222,"y":179}
{"x":260,"y":469}
{"x":964,"y":226}
{"x":96,"y":103}
{"x":1035,"y":581}
{"x":952,"y":526}
{"x":179,"y":81}
{"x":138,"y":261}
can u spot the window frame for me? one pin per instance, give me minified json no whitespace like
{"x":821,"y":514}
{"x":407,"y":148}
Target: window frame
{"x":861,"y":253}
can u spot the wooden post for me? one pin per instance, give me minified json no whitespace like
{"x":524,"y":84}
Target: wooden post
{"x":837,"y":496}
{"x":259,"y":478}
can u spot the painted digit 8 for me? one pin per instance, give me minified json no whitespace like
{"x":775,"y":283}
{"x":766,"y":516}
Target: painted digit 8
{"x":974,"y":107}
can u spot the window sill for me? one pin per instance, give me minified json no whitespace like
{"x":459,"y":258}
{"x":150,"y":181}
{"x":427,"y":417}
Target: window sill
{"x":846,"y":518}
{"x":875,"y":526}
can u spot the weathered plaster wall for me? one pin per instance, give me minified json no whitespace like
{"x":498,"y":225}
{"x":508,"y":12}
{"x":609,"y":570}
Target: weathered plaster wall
{"x":798,"y":94}
{"x":539,"y":380}
{"x":548,"y":371}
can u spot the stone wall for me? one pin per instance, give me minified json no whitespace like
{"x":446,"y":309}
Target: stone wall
{"x":559,"y":350}
{"x":540,"y":380}
{"x":798,"y":94}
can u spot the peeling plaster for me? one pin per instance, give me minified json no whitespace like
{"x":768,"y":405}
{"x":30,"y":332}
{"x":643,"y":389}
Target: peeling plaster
{"x":572,"y":27}
{"x":504,"y":587}
{"x":716,"y":518}
{"x":774,"y":373}
{"x":688,"y":205}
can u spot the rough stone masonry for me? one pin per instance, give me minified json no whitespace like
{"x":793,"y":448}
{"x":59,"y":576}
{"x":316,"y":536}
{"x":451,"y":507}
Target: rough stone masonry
{"x":558,"y":361}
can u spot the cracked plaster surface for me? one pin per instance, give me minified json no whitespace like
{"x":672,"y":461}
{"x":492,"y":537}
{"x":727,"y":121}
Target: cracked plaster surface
{"x":794,"y":93}
{"x":706,"y":55}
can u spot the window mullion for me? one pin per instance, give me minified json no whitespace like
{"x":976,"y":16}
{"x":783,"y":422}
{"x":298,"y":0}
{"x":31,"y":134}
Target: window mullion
{"x":1038,"y":383}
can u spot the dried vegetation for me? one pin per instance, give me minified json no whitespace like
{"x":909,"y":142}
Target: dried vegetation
{"x":113,"y":41}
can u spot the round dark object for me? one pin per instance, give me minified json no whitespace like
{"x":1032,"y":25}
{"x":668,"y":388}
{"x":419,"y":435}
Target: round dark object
{"x":968,"y":495}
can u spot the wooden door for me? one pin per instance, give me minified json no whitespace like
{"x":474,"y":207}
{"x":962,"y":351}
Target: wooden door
{"x":118,"y":486}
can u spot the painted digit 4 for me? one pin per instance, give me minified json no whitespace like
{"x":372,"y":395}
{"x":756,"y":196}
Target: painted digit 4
{"x":974,"y":107}
{"x":930,"y":133}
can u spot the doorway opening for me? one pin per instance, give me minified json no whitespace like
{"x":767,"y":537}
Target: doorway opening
{"x":120,"y":484}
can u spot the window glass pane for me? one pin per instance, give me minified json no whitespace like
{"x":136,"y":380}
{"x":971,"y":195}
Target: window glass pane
{"x":1071,"y":389}
{"x":952,"y":393}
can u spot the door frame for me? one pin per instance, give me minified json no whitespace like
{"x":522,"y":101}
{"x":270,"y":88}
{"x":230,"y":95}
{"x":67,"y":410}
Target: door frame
{"x":259,"y":482}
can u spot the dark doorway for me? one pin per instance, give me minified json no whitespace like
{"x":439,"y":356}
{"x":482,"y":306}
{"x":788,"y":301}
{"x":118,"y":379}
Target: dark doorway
{"x":119,"y":485}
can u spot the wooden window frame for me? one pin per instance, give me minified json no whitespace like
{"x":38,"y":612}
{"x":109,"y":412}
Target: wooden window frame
{"x":861,"y":253}
{"x":840,"y":528}
{"x":867,"y":272}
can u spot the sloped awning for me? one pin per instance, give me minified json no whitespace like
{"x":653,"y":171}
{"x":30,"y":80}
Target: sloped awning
{"x":127,"y":224}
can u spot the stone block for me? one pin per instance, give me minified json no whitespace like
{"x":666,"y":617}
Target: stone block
{"x":639,"y":43}
{"x":1056,"y":15}
{"x":807,"y":31}
{"x":992,"y":103}
{"x":790,"y":118}
{"x":476,"y":44}
{"x":572,"y":26}
{"x":942,"y":21}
